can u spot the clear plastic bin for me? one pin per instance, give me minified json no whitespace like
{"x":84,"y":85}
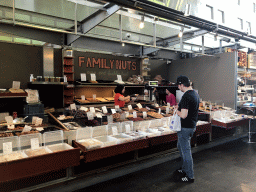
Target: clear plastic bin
{"x":101,"y":134}
{"x":123,"y":138}
{"x":115,"y":130}
{"x":127,"y":126}
{"x":136,"y":125}
{"x":155,"y":123}
{"x":144,"y":125}
{"x":153,"y":132}
{"x":165,"y":122}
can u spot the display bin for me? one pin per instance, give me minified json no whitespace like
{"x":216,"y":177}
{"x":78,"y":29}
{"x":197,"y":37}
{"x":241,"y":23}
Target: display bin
{"x":100,"y":133}
{"x":54,"y":141}
{"x":163,"y":139}
{"x":231,"y":124}
{"x":122,"y":137}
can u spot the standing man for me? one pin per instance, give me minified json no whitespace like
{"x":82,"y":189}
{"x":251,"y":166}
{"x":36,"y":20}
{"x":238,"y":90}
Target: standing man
{"x":188,"y":112}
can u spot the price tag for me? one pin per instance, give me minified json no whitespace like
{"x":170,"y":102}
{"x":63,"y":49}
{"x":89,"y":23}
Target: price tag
{"x":117,"y":107}
{"x":9,"y":119}
{"x":147,"y":108}
{"x":203,"y":103}
{"x":139,"y":105}
{"x":39,"y":121}
{"x":73,"y":106}
{"x":210,"y":107}
{"x":134,"y":114}
{"x":93,"y":77}
{"x":139,"y":79}
{"x":156,"y":105}
{"x":84,"y":109}
{"x":83,"y":77}
{"x":94,"y":97}
{"x":34,"y":143}
{"x":98,"y":115}
{"x":7,"y":147}
{"x":167,"y":110}
{"x":159,"y":110}
{"x":144,"y":114}
{"x":11,"y":126}
{"x":126,"y":114}
{"x":39,"y":128}
{"x":201,"y":100}
{"x":110,"y":119}
{"x":113,"y":111}
{"x":104,"y":109}
{"x":90,"y":115}
{"x":34,"y":119}
{"x":82,"y":97}
{"x":26,"y":129}
{"x":92,"y":110}
{"x":119,"y":78}
{"x":114,"y":130}
{"x":127,"y":128}
{"x":168,"y":105}
{"x":129,"y":107}
{"x":16,"y":84}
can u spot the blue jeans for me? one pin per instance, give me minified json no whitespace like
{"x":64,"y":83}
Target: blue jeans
{"x":184,"y":138}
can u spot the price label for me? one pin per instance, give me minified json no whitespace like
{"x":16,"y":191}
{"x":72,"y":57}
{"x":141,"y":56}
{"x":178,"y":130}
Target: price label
{"x":113,"y":111}
{"x":156,"y":105}
{"x":84,"y":109}
{"x":134,"y":114}
{"x":129,"y":107}
{"x":94,"y":97}
{"x":114,"y":130}
{"x":83,"y":77}
{"x":167,"y":110}
{"x":11,"y":126}
{"x":127,"y":128}
{"x":159,"y":110}
{"x":139,"y":79}
{"x":168,"y":105}
{"x":117,"y":107}
{"x":203,"y":103}
{"x":119,"y":78}
{"x":7,"y":147}
{"x":39,"y":121}
{"x":98,"y":115}
{"x":93,"y":77}
{"x":147,"y":108}
{"x":126,"y":114}
{"x":90,"y":116}
{"x":110,"y":119}
{"x":139,"y":105}
{"x":83,"y":97}
{"x":34,"y":143}
{"x":104,"y":109}
{"x":39,"y":128}
{"x":144,"y":114}
{"x":9,"y":119}
{"x":73,"y":106}
{"x":16,"y":84}
{"x":26,"y":129}
{"x":92,"y":110}
{"x":34,"y":119}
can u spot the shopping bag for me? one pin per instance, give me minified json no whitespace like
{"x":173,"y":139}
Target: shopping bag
{"x":175,"y":124}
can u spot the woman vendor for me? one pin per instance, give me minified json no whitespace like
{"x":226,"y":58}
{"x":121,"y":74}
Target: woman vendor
{"x":119,"y":98}
{"x":170,"y":98}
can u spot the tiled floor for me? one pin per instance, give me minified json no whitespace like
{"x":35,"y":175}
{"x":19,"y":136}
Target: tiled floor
{"x":227,"y":167}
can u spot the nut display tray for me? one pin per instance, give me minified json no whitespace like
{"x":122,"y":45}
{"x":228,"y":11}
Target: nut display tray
{"x":36,"y":152}
{"x":107,"y":140}
{"x":123,"y":138}
{"x":12,"y":156}
{"x":59,"y":147}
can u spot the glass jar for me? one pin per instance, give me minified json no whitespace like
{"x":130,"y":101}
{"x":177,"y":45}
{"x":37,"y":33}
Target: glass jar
{"x":46,"y":78}
{"x":52,"y":79}
{"x":39,"y":78}
{"x":57,"y":79}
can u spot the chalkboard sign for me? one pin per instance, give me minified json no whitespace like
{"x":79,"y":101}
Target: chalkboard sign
{"x":106,"y":67}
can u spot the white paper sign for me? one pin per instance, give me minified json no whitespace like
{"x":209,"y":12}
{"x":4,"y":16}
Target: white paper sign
{"x":147,"y":108}
{"x":90,"y":115}
{"x":119,"y":78}
{"x":93,"y":77}
{"x":34,"y":143}
{"x":16,"y":84}
{"x":139,"y":105}
{"x":39,"y":128}
{"x":134,"y":114}
{"x":92,"y":110}
{"x":127,"y":128}
{"x":168,"y":105}
{"x":159,"y":110}
{"x":83,"y":97}
{"x":83,"y":77}
{"x":104,"y":109}
{"x":73,"y":106}
{"x":98,"y":115}
{"x":144,"y":114}
{"x":156,"y":105}
{"x":26,"y":129}
{"x":34,"y":119}
{"x":113,"y":111}
{"x":9,"y":119}
{"x":114,"y":130}
{"x":11,"y":126}
{"x":167,"y":110}
{"x":129,"y":107}
{"x":94,"y":97}
{"x":127,"y":114}
{"x":117,"y":107}
{"x":39,"y":122}
{"x":110,"y":119}
{"x":84,"y":109}
{"x":7,"y":147}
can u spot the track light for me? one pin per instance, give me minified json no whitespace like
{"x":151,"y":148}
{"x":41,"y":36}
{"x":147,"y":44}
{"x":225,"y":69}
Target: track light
{"x":142,"y":22}
{"x":181,"y":32}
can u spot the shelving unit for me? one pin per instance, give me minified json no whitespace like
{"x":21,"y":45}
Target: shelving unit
{"x":68,"y":71}
{"x":145,"y":69}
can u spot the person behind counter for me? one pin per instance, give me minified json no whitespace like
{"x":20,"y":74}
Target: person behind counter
{"x":119,"y":98}
{"x":170,"y":98}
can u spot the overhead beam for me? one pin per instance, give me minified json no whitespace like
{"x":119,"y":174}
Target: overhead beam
{"x":93,"y":20}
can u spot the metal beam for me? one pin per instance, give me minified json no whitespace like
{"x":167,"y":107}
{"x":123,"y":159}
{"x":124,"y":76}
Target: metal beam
{"x":93,"y":20}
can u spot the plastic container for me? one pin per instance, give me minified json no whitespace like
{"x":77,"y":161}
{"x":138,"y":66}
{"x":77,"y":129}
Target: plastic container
{"x":115,"y":130}
{"x":101,"y":134}
{"x":144,"y":125}
{"x":155,"y":123}
{"x":127,"y":127}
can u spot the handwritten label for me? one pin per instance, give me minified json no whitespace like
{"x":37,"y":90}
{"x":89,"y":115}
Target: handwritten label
{"x":11,"y":126}
{"x":9,"y":119}
{"x":168,"y":105}
{"x":114,"y":130}
{"x":210,"y":107}
{"x":16,"y":84}
{"x":119,"y":78}
{"x":83,"y":97}
{"x":127,"y":114}
{"x":98,"y":115}
{"x":144,"y":114}
{"x":156,"y":105}
{"x":34,"y":119}
{"x":39,"y":121}
{"x":93,"y":77}
{"x":34,"y":143}
{"x":127,"y":128}
{"x":83,"y":77}
{"x":90,"y":116}
{"x":139,"y":105}
{"x":83,"y":108}
{"x":110,"y":119}
{"x":159,"y":110}
{"x":117,"y":107}
{"x":113,"y":111}
{"x":7,"y":147}
{"x":167,"y":110}
{"x":147,"y":108}
{"x":92,"y":110}
{"x":129,"y":107}
{"x":134,"y":114}
{"x":26,"y":129}
{"x":104,"y":109}
{"x":73,"y":106}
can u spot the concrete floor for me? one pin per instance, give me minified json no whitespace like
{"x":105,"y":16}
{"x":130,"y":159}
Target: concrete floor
{"x":227,"y":167}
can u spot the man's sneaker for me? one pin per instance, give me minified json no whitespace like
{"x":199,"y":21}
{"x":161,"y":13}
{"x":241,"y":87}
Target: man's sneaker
{"x":186,"y":179}
{"x":179,"y":171}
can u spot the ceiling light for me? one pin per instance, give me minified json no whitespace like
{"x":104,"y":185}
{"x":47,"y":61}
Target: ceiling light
{"x":180,"y":34}
{"x":123,"y":44}
{"x":142,"y":22}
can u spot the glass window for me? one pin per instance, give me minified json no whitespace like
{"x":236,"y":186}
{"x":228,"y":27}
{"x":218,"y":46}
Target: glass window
{"x":210,"y":11}
{"x":240,"y":23}
{"x":221,"y":17}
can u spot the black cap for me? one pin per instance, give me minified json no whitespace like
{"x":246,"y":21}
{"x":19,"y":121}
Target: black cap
{"x":183,"y":80}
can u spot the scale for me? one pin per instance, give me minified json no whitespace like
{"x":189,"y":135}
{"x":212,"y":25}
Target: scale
{"x":150,"y":87}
